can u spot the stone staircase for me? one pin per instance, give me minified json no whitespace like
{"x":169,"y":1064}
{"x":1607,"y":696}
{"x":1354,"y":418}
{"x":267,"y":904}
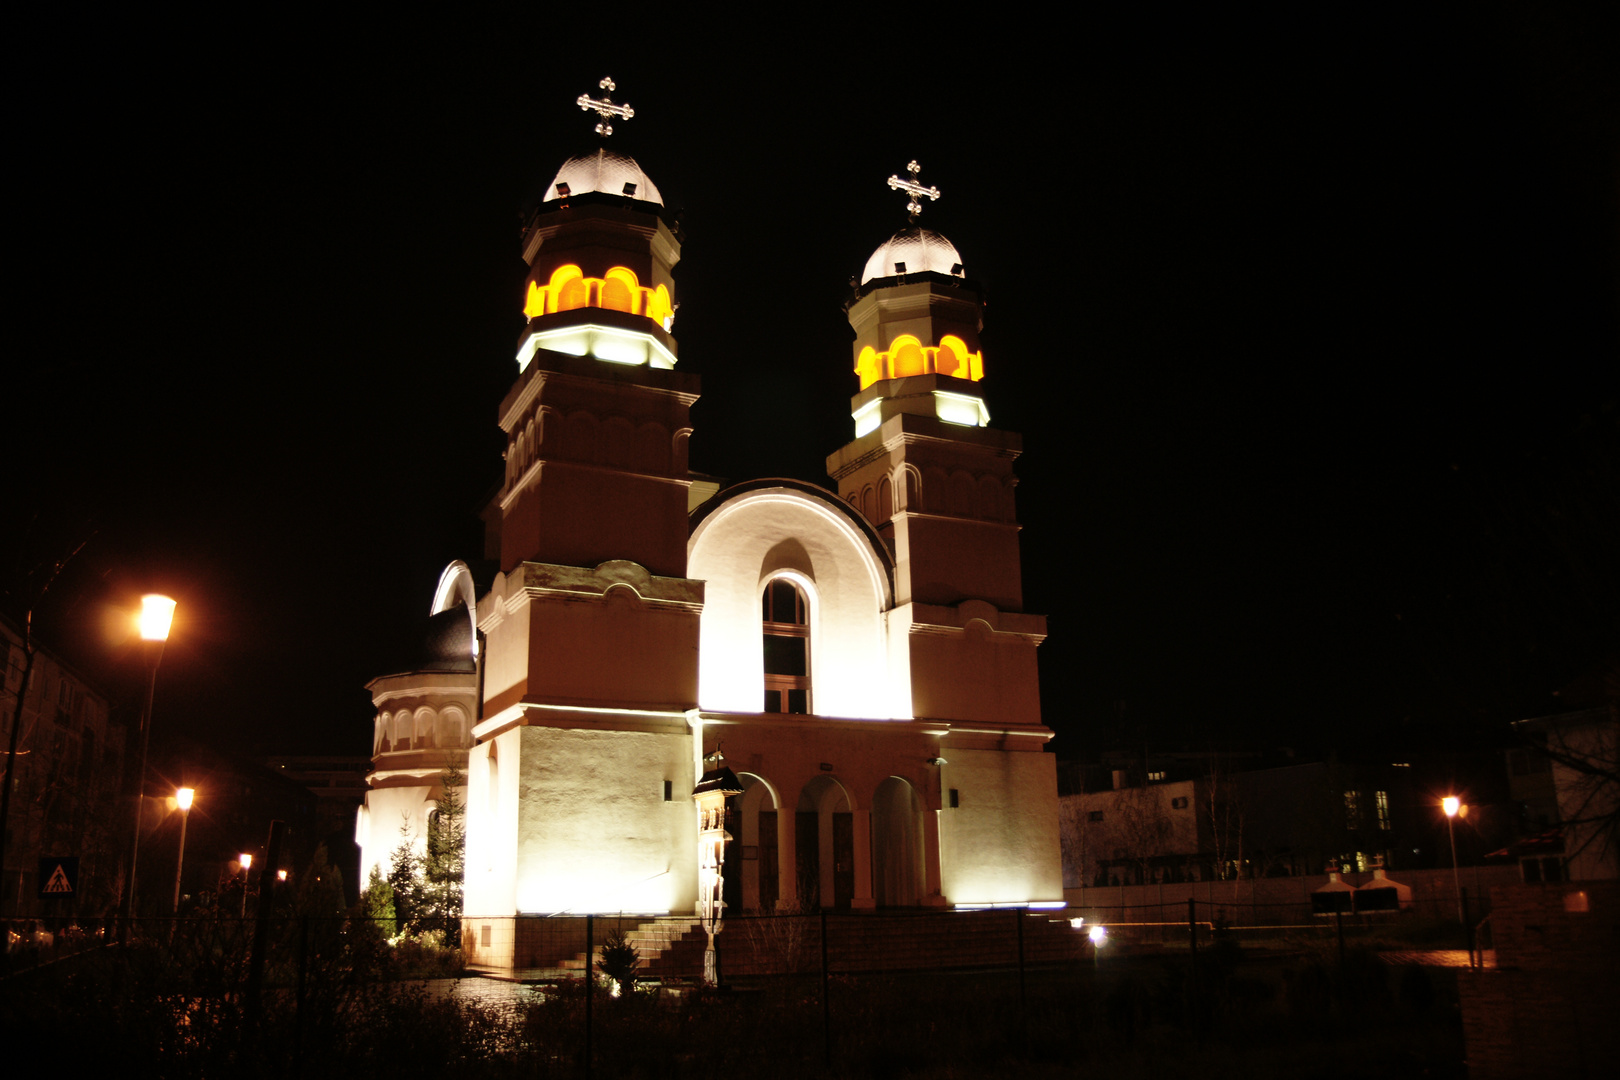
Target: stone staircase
{"x":670,"y":947}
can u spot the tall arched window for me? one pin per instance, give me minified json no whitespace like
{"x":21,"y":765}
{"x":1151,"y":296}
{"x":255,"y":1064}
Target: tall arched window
{"x":786,"y":621}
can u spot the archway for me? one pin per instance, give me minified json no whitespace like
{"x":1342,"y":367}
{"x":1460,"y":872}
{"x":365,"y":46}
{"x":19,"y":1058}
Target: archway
{"x":758,"y":867}
{"x":897,"y":844}
{"x":824,"y":845}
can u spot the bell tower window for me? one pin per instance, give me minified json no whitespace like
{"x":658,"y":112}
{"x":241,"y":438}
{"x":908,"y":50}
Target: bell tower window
{"x":786,"y":623}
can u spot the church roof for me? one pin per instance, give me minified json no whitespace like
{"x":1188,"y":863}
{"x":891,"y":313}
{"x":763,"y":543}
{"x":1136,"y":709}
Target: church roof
{"x":913,"y":251}
{"x":604,"y":171}
{"x":447,"y":644}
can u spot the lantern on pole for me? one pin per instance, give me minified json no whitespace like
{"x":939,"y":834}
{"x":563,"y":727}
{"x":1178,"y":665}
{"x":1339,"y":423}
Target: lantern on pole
{"x":710,"y":794}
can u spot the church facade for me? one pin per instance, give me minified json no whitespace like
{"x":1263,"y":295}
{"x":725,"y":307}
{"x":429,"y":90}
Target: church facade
{"x":858,"y":657}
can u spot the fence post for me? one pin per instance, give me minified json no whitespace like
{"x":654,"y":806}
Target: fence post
{"x":826,"y":1004}
{"x":261,"y":924}
{"x":590,"y":990}
{"x":298,"y":1003}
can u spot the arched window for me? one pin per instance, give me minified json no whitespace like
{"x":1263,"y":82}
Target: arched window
{"x":785,"y":618}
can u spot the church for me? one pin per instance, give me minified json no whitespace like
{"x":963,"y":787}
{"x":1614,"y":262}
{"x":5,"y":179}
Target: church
{"x":854,"y":660}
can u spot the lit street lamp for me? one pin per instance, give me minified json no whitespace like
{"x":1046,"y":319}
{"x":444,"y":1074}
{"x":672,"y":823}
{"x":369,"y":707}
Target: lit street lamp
{"x":182,"y":798}
{"x":1453,"y":806}
{"x":157,"y":613}
{"x":246,"y":860}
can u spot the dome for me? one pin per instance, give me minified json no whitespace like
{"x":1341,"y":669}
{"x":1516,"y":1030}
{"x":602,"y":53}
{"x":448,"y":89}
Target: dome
{"x":607,"y":172}
{"x":912,"y":251}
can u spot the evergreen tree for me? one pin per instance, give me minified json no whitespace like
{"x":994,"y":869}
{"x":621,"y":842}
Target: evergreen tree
{"x":446,"y":856}
{"x":405,"y":879}
{"x":377,"y":904}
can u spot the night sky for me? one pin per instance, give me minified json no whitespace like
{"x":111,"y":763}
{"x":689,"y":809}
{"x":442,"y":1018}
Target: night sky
{"x":1309,"y":326}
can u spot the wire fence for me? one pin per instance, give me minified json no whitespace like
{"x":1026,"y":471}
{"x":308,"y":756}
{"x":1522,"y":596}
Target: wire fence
{"x":300,"y":995}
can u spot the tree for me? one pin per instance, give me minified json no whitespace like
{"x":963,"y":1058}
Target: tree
{"x":405,"y":879}
{"x":446,"y":857}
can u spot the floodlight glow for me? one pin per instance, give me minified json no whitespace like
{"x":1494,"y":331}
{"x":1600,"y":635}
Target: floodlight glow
{"x":1451,"y":804}
{"x":245,"y":859}
{"x":183,"y":797}
{"x":1098,"y":935}
{"x":281,"y":875}
{"x":610,"y":343}
{"x":960,"y":409}
{"x":157,"y":613}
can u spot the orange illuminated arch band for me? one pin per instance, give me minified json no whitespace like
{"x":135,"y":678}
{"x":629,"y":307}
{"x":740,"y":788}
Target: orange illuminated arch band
{"x":908,"y":356}
{"x":619,"y":290}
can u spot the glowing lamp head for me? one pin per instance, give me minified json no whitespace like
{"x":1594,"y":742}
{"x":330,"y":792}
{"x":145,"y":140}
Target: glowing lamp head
{"x":281,"y":875}
{"x":246,"y":860}
{"x":1451,"y":805}
{"x":1098,"y":935}
{"x":157,"y":612}
{"x":183,"y":797}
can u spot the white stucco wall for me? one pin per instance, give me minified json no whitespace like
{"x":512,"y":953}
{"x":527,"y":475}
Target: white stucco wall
{"x":765,"y":532}
{"x":1001,"y":844}
{"x":593,"y":832}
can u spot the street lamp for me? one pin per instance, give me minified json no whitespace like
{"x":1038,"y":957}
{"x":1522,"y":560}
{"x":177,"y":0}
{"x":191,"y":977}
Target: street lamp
{"x":246,"y":860}
{"x":1453,"y":806}
{"x":157,"y":613}
{"x":182,"y":798}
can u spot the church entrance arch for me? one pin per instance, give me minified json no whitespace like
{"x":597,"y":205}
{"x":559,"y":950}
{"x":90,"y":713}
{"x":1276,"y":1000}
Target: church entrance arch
{"x":824,"y":845}
{"x":758,"y":868}
{"x":897,"y":844}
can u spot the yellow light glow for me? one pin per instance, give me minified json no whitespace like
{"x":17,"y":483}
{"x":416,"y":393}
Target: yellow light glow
{"x":183,"y":797}
{"x":619,"y":289}
{"x":1451,"y":804}
{"x":1098,"y":935}
{"x":157,"y":613}
{"x":909,"y":356}
{"x":245,"y":859}
{"x":281,"y":875}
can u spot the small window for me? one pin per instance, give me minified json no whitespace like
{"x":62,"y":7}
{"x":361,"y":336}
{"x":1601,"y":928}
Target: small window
{"x":1352,"y":810}
{"x":785,"y":619}
{"x":955,"y":799}
{"x":1095,"y":815}
{"x":669,"y":791}
{"x":899,"y":267}
{"x":1381,"y":804}
{"x":629,"y":188}
{"x":1155,"y":776}
{"x":562,"y":191}
{"x":1179,"y":803}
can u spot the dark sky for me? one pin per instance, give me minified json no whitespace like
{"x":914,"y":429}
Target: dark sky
{"x":1309,"y":325}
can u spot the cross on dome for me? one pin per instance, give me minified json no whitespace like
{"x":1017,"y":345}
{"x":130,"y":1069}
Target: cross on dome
{"x":605,"y":108}
{"x":914,"y":189}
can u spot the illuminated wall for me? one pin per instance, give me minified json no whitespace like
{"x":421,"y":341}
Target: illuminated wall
{"x":767,"y":532}
{"x":1001,"y":844}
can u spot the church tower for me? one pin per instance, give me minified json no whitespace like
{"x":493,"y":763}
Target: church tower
{"x":935,"y":479}
{"x":591,"y":626}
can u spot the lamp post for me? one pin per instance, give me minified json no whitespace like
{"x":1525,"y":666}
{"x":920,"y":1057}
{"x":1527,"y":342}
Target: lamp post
{"x":247,"y":862}
{"x":157,"y":613}
{"x":1453,"y":806}
{"x":182,"y":798}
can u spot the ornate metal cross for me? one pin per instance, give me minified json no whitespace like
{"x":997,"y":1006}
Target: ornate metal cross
{"x":914,"y":189}
{"x":604,"y":108}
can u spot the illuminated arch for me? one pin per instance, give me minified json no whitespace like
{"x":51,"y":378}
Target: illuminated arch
{"x":617,"y":290}
{"x":754,"y":532}
{"x":907,"y":355}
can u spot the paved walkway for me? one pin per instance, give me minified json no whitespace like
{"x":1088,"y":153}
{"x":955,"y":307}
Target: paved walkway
{"x":1452,"y":958}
